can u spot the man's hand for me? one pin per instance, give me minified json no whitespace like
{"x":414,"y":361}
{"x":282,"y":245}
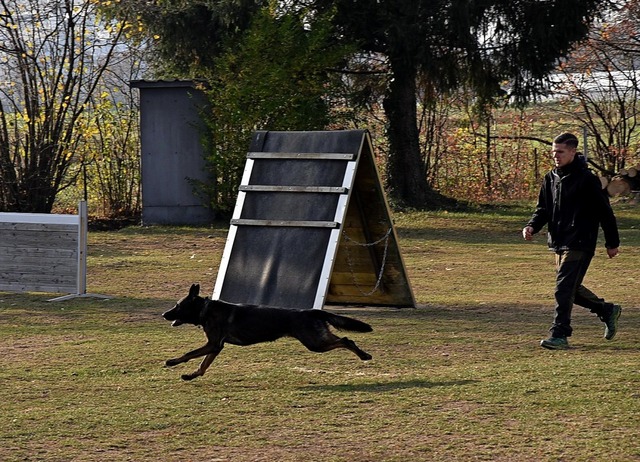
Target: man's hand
{"x":527,"y":233}
{"x":612,"y":252}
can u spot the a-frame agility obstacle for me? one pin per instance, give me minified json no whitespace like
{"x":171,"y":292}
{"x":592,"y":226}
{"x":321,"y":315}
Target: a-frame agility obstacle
{"x":312,"y":226}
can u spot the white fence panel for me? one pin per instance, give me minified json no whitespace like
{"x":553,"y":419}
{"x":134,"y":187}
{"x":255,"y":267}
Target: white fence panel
{"x":42,"y":252}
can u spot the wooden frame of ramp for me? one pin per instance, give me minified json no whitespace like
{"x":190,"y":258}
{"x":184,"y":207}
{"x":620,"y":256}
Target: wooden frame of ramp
{"x":312,"y":226}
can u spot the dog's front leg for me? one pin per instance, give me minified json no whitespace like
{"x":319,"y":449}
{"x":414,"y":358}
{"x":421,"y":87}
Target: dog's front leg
{"x":202,"y":351}
{"x":204,"y":365}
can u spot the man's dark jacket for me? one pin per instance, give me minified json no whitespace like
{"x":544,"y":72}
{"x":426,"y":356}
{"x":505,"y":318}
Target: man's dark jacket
{"x":573,"y":205}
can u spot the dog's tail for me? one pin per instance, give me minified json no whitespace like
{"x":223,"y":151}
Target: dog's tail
{"x":342,"y":322}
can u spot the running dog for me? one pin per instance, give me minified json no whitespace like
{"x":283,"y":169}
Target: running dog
{"x":247,"y":324}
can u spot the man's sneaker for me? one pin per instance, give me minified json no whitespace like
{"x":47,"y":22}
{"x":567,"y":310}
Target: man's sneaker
{"x":555,"y":343}
{"x":611,"y":322}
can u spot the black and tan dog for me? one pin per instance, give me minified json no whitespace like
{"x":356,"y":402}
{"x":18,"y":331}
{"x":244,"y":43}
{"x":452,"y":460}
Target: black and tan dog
{"x":246,"y":325}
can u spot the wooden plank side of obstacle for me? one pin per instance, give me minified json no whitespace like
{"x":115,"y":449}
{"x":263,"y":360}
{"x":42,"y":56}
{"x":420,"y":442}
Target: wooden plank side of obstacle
{"x":41,"y":252}
{"x":369,"y":268}
{"x":312,"y":226}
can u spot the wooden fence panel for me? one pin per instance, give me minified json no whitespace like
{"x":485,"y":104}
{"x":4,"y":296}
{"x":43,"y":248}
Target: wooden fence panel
{"x":43,"y":252}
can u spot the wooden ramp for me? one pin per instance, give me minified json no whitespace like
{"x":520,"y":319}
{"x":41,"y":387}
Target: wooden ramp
{"x":312,"y":226}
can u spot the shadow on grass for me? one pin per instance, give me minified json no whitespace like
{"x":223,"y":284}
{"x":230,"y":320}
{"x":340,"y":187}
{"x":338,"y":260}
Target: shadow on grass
{"x":606,"y":347}
{"x":385,"y":387}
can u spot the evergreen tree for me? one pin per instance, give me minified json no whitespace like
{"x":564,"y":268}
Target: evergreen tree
{"x":481,"y":44}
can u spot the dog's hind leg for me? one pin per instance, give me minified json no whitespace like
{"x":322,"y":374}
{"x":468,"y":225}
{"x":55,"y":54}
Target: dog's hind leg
{"x":328,"y":341}
{"x":204,"y":365}
{"x":351,"y":346}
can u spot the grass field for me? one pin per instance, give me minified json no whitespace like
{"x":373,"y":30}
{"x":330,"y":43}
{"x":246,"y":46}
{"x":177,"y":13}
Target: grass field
{"x":460,"y":378}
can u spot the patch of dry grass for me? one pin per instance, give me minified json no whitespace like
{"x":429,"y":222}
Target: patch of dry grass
{"x":459,"y":378}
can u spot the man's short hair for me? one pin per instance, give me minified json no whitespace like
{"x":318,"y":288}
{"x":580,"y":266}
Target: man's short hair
{"x":567,"y":138}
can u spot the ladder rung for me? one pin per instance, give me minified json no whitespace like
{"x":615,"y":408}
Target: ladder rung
{"x":301,"y":155}
{"x":295,"y":189}
{"x":287,"y":223}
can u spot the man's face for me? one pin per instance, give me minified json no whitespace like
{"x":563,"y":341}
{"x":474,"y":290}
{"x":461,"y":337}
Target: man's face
{"x":562,"y":154}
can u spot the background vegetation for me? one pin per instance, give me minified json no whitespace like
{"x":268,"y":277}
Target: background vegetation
{"x":461,"y":377}
{"x":68,"y":119}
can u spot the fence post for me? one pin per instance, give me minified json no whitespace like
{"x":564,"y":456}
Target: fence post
{"x":82,"y":247}
{"x":83,"y":230}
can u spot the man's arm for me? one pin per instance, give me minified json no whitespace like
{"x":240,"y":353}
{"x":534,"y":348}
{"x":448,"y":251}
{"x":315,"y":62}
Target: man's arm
{"x":606,"y":217}
{"x":540,"y":216}
{"x":527,"y":233}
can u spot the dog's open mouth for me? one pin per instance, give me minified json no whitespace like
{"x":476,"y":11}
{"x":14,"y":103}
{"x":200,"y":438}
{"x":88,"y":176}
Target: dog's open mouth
{"x":176,"y":323}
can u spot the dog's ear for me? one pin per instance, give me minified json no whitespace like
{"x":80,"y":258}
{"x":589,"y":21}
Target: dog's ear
{"x":195,"y":290}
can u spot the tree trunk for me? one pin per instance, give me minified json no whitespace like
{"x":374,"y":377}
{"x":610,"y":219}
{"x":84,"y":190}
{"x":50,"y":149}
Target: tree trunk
{"x":406,"y":176}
